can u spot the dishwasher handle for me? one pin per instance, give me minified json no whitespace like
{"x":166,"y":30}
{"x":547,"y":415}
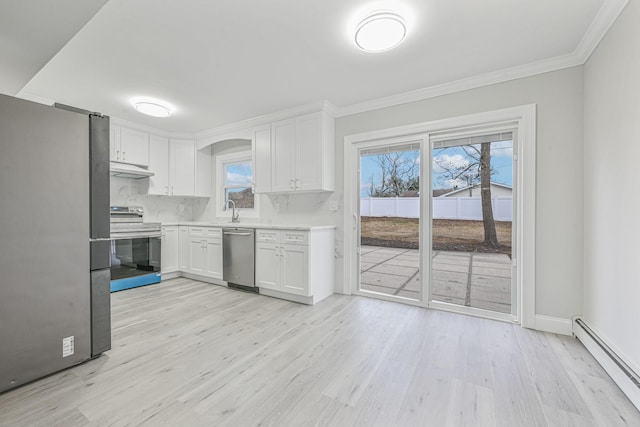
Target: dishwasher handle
{"x":229,"y":233}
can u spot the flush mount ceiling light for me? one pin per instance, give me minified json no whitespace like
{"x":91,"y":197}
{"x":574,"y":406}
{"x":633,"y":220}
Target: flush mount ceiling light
{"x":152,"y":107}
{"x":380,"y":31}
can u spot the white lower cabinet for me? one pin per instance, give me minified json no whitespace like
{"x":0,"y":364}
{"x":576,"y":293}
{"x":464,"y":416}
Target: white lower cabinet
{"x":205,"y":252}
{"x":197,"y":255}
{"x":183,"y":248}
{"x":299,"y":264}
{"x":268,"y":265}
{"x":170,"y":249}
{"x":214,"y":258}
{"x":295,"y":269}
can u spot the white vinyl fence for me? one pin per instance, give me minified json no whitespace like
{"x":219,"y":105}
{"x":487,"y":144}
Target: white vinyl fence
{"x":468,"y":208}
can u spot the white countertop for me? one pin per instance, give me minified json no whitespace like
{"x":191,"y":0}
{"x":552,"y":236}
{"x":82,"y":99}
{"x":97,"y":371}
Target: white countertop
{"x":251,"y":225}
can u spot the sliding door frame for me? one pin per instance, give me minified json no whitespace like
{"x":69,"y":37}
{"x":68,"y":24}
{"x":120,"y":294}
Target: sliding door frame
{"x":418,"y":139}
{"x":524,"y":120}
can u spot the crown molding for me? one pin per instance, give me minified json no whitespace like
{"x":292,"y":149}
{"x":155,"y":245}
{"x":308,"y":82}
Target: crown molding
{"x":606,"y":16}
{"x":230,"y":128}
{"x":500,"y":76}
{"x":604,"y":19}
{"x":151,"y":130}
{"x":35,"y":98}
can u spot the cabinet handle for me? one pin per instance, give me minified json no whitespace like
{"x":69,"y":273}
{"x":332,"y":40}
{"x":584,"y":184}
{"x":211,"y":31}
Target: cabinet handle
{"x":123,"y":156}
{"x":172,"y":190}
{"x":117,"y":154}
{"x":291,"y":184}
{"x":166,"y":189}
{"x":296,"y":183}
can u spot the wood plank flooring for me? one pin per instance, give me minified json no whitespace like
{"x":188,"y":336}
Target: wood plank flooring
{"x":187,"y":353}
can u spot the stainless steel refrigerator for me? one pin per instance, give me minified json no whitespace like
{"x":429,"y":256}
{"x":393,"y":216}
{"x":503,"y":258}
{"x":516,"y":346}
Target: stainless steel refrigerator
{"x":54,"y":239}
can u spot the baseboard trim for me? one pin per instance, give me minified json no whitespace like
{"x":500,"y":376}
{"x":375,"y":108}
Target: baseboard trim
{"x":171,"y":275}
{"x":203,"y":279}
{"x":555,"y":325}
{"x":284,"y":295}
{"x":628,"y":387}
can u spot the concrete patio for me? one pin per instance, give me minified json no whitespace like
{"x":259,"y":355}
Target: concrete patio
{"x":477,"y":280}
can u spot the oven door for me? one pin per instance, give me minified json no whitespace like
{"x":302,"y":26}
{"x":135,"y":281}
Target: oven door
{"x":135,"y":260}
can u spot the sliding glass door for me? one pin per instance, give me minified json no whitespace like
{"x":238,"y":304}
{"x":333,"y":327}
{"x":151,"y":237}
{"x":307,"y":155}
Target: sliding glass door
{"x":472,"y":204}
{"x":389,"y":218}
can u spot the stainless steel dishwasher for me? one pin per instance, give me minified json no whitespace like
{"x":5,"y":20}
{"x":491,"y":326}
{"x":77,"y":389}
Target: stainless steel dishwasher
{"x":238,"y":253}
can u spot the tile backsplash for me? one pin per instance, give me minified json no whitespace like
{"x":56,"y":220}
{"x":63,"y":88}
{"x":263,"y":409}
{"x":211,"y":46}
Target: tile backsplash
{"x":127,"y":192}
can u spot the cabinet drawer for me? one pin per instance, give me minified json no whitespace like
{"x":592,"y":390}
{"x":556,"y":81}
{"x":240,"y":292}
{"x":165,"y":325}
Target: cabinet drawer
{"x":214,"y":233}
{"x":207,"y":232}
{"x":272,"y":236}
{"x":295,"y":237}
{"x":197,"y":232}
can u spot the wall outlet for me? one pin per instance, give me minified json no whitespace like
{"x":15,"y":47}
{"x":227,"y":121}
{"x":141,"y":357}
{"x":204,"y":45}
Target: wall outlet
{"x":67,"y":346}
{"x":333,"y":205}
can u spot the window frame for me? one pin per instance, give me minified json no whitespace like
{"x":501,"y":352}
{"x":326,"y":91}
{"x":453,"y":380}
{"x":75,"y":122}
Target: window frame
{"x":222,"y":161}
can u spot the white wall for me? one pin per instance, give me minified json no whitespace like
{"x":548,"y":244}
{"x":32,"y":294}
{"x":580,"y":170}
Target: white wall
{"x":612,"y":218}
{"x":559,"y":96}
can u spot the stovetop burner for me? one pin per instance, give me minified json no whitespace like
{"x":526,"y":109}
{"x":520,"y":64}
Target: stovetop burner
{"x":129,"y":219}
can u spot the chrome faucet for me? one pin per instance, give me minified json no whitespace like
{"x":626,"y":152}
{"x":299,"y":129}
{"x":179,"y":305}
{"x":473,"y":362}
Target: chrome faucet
{"x":235,"y":216}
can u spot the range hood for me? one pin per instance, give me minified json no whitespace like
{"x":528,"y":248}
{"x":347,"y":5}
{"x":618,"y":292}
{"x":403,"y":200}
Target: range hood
{"x":123,"y":170}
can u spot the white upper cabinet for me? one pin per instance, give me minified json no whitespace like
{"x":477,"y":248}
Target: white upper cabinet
{"x":159,"y":165}
{"x":204,"y":172}
{"x":283,"y":154}
{"x":129,"y":146}
{"x":302,"y":154}
{"x":182,"y":167}
{"x":179,"y":169}
{"x":262,"y":159}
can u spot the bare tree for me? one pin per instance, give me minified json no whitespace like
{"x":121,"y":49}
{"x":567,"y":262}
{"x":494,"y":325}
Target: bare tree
{"x":490,"y":234}
{"x":476,"y":170}
{"x":398,"y":173}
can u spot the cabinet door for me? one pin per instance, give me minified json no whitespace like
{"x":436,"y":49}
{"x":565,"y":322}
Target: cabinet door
{"x":214,"y":258}
{"x":267,"y":266}
{"x":184,"y":256}
{"x":262,"y":159}
{"x":283,"y":155}
{"x":114,"y":143}
{"x":197,"y":256}
{"x":170,"y":245}
{"x":181,"y":167}
{"x":134,"y":146}
{"x":295,"y":269}
{"x":309,"y":153}
{"x":159,"y":165}
{"x":203,"y":173}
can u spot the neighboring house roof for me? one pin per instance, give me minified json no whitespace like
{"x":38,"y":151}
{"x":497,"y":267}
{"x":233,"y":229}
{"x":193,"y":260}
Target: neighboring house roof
{"x":410,"y":193}
{"x":442,"y":191}
{"x":459,"y":190}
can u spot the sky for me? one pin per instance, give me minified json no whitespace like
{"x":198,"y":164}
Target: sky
{"x":239,"y":173}
{"x":501,"y":162}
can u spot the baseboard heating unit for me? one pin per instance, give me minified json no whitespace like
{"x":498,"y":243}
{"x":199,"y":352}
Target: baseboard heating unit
{"x":624,"y":376}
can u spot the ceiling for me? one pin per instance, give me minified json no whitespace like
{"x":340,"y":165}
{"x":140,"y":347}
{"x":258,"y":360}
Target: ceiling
{"x":32,"y":31}
{"x":223,"y":61}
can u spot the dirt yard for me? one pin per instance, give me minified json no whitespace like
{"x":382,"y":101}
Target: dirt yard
{"x":451,"y":235}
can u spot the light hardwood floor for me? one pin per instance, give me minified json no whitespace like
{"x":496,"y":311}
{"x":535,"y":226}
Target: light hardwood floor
{"x":192,"y":354}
